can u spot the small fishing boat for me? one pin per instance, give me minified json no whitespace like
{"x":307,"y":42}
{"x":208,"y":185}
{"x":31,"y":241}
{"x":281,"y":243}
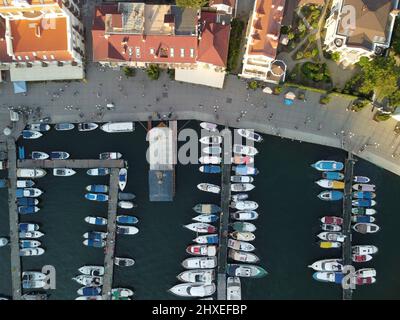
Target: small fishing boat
{"x":98,"y":172}
{"x":87,"y":126}
{"x":363,"y":195}
{"x":110,"y":156}
{"x":242,"y":179}
{"x":244,"y":205}
{"x":126,"y":204}
{"x":363,"y":203}
{"x":3,"y":242}
{"x":330,"y":184}
{"x":212,"y":140}
{"x":241,"y":187}
{"x":242,"y":256}
{"x":89,"y":291}
{"x":28,"y":192}
{"x":212,"y":127}
{"x":118,"y":127}
{"x":89,"y":298}
{"x":233,"y":289}
{"x":126,"y":196}
{"x":64,"y":126}
{"x":206,"y":218}
{"x":200,"y":263}
{"x":85,"y":280}
{"x":246,"y":270}
{"x":207,"y":239}
{"x":240,"y":245}
{"x":361,"y":258}
{"x":245,"y":150}
{"x":331,"y":227}
{"x":205,"y":276}
{"x":96,"y":197}
{"x":332,"y":236}
{"x":208,"y":187}
{"x":243,"y":160}
{"x":244,"y":170}
{"x":210,"y":169}
{"x":332,"y":220}
{"x":94,"y":243}
{"x":250,"y":135}
{"x":200,"y":227}
{"x":59,"y":155}
{"x":331,"y":195}
{"x":39,"y":155}
{"x":28,"y":209}
{"x":329,"y":244}
{"x":210,"y":160}
{"x":35,"y":295}
{"x":42,"y":127}
{"x":328,"y":165}
{"x":31,"y":134}
{"x":30,"y":234}
{"x":243,"y":226}
{"x":102,"y":188}
{"x":29,"y":284}
{"x":333,"y":175}
{"x":63,"y":172}
{"x":28,"y":252}
{"x":122,"y":178}
{"x":31,"y":173}
{"x":124,"y":219}
{"x":98,"y":221}
{"x":33,"y":276}
{"x":244,"y":215}
{"x":24,"y":227}
{"x":206,"y":208}
{"x":24,"y":201}
{"x":364,"y":249}
{"x":239,"y":197}
{"x":95,"y":235}
{"x":365,"y":281}
{"x":325,"y":276}
{"x":212,"y":150}
{"x":201,"y":250}
{"x":361,"y":179}
{"x":92,"y":270}
{"x":363,"y":211}
{"x":121,"y":292}
{"x":243,"y":236}
{"x":362,"y":219}
{"x":366,"y":228}
{"x":25,"y":183}
{"x":193,"y":290}
{"x":25,"y":244}
{"x":364,"y":187}
{"x":123,"y":262}
{"x":327,"y":265}
{"x":128,"y":230}
{"x":366,"y":272}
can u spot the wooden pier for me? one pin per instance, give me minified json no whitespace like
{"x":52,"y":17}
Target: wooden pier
{"x":70,"y":163}
{"x":111,"y":234}
{"x":347,"y":206}
{"x":224,"y":217}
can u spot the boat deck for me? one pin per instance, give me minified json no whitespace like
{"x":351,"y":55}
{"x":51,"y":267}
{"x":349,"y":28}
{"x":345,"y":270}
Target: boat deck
{"x":70,"y":163}
{"x":347,"y":206}
{"x":224,"y":218}
{"x":111,"y":229}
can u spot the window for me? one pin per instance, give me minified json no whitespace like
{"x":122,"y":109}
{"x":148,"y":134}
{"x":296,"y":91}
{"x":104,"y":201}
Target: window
{"x":52,"y":57}
{"x":191,"y":52}
{"x":137,"y":52}
{"x":26,"y":57}
{"x":34,"y":54}
{"x":44,"y":57}
{"x":19,"y":57}
{"x":152,"y":51}
{"x":172,"y":52}
{"x":182,"y":52}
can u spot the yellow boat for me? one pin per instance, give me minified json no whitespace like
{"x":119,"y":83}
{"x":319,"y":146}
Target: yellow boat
{"x":329,"y":244}
{"x":330,"y":184}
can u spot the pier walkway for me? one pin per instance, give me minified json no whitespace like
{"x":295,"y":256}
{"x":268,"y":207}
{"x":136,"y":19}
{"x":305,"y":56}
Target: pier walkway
{"x":73,"y":164}
{"x":111,"y":233}
{"x":224,"y":217}
{"x":347,"y":205}
{"x":13,"y":215}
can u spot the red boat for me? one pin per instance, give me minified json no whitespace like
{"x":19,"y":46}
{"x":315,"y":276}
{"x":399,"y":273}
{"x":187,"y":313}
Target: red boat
{"x":332,"y":220}
{"x":361,"y":257}
{"x":362,"y":281}
{"x":242,"y":160}
{"x":201,"y":250}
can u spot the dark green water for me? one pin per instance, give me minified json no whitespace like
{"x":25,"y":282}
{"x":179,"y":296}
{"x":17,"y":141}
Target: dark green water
{"x":286,"y":234}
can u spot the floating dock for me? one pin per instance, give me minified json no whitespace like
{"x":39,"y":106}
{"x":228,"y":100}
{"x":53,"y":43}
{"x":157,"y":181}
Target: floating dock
{"x":347,"y":206}
{"x":224,"y":217}
{"x":70,"y":163}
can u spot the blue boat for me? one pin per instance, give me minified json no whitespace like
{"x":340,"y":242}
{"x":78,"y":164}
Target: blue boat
{"x":28,"y":244}
{"x":89,"y":291}
{"x":95,"y":235}
{"x":332,"y":195}
{"x":210,"y":169}
{"x":3,"y":183}
{"x":243,"y":170}
{"x":328,"y":165}
{"x":28,"y":227}
{"x":96,"y":197}
{"x":28,"y":209}
{"x":59,"y":155}
{"x":363,"y":203}
{"x":97,"y":188}
{"x":333,"y":175}
{"x":31,"y":134}
{"x":127,"y":219}
{"x":364,"y":195}
{"x":362,"y":219}
{"x":323,"y":276}
{"x":207,"y":239}
{"x":95,"y":243}
{"x":27,"y":202}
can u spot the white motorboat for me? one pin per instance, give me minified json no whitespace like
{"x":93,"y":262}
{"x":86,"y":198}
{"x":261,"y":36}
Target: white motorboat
{"x":246,"y":150}
{"x":331,"y":227}
{"x":32,"y":284}
{"x":92,"y":270}
{"x":25,"y":183}
{"x":98,"y":172}
{"x":26,"y":252}
{"x":31,"y":134}
{"x":110,"y":156}
{"x":233,"y":289}
{"x":125,"y":204}
{"x":208,"y":187}
{"x":87,"y":126}
{"x":244,"y":205}
{"x":118,"y":127}
{"x":33,"y":276}
{"x":31,"y":234}
{"x":239,"y":197}
{"x":250,"y":135}
{"x":124,"y":262}
{"x":87,"y":280}
{"x":206,"y":218}
{"x":364,"y":187}
{"x":128,"y":230}
{"x":213,"y":150}
{"x":210,"y":160}
{"x":31,"y":173}
{"x":330,"y":184}
{"x":98,"y":221}
{"x":366,"y":272}
{"x":63,"y":172}
{"x":205,"y":276}
{"x":366,"y":228}
{"x":200,"y":263}
{"x":242,"y":179}
{"x":211,"y":140}
{"x":89,"y":298}
{"x":364,"y":249}
{"x":201,"y":227}
{"x":39,"y":155}
{"x":240,"y":245}
{"x":28,"y":192}
{"x":212,"y":127}
{"x":64,"y":126}
{"x":243,"y":256}
{"x":193,"y":290}
{"x":243,"y":236}
{"x":95,"y":235}
{"x":244,"y":215}
{"x":327,"y":265}
{"x":202,"y":250}
{"x":3,"y":242}
{"x":332,"y":236}
{"x":29,"y":244}
{"x":122,"y":178}
{"x":242,"y":187}
{"x":38,"y":127}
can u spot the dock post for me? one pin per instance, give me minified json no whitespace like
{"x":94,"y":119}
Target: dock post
{"x":224,"y":217}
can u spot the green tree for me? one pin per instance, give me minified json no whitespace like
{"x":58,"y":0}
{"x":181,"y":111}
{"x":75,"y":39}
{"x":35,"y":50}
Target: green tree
{"x":192,"y":3}
{"x":335,"y":56}
{"x":129,"y":72}
{"x":252,"y":85}
{"x":153,"y":72}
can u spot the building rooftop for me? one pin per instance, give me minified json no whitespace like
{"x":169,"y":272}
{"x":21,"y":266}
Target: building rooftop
{"x":4,"y":57}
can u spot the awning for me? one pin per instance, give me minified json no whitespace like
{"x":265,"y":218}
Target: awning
{"x":267,"y":90}
{"x":19,"y":86}
{"x":290,"y":95}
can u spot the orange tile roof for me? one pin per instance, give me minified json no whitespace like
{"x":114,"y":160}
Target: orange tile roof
{"x":4,"y":57}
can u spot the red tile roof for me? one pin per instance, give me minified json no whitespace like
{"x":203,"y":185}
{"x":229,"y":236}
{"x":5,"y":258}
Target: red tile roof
{"x":4,"y":57}
{"x":230,"y":3}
